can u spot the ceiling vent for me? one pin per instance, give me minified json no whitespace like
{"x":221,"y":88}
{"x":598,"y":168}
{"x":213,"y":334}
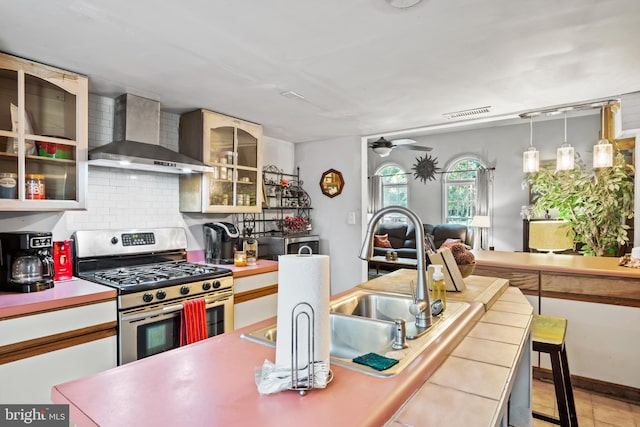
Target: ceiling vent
{"x":468,"y":113}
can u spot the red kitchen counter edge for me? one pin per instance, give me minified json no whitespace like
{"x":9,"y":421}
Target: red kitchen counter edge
{"x":64,"y":293}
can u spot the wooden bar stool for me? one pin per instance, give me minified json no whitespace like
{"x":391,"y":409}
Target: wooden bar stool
{"x":548,"y":334}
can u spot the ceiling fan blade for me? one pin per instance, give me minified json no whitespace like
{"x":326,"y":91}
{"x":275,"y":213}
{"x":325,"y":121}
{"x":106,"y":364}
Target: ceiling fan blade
{"x":403,"y":141}
{"x":413,"y":147}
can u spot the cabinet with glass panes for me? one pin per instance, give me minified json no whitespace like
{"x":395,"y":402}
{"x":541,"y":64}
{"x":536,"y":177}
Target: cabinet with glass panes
{"x":43,"y":137}
{"x":233,"y":149}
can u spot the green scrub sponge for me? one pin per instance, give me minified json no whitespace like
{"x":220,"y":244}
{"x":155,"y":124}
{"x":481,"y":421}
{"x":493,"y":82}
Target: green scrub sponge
{"x":375,"y":361}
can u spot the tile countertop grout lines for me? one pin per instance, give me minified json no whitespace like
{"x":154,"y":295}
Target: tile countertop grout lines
{"x":468,"y":366}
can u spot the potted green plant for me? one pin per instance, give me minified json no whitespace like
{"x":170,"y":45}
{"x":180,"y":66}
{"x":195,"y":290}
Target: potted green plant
{"x":597,"y":204}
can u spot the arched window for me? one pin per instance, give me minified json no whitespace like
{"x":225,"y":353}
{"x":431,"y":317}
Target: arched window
{"x":460,"y":190}
{"x":394,"y":190}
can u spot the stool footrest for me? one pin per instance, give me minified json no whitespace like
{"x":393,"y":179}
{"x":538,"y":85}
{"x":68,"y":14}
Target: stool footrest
{"x":545,"y":417}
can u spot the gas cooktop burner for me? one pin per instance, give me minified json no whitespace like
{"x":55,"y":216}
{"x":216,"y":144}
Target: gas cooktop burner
{"x":158,"y":274}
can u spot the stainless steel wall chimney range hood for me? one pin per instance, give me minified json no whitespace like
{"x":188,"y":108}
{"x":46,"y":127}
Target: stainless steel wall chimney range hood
{"x":136,"y":145}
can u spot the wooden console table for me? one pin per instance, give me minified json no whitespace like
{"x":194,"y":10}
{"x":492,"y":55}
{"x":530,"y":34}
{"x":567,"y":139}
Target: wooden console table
{"x":380,"y":262}
{"x":574,"y":277}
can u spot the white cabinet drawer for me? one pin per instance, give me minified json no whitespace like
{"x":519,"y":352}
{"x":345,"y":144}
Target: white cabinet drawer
{"x":243,"y":284}
{"x":55,"y":322}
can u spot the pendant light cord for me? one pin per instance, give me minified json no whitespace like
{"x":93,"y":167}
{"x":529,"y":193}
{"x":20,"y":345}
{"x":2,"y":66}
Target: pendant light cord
{"x":530,"y":131}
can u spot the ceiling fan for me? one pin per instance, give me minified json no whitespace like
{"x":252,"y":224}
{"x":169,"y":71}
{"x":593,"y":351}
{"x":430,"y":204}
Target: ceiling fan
{"x":383,"y":146}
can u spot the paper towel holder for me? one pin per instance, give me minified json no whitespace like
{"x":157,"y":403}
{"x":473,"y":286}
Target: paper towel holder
{"x":302,"y":248}
{"x":296,"y":382}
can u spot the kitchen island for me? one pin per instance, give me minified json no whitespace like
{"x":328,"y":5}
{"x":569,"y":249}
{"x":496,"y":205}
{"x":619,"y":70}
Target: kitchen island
{"x":212,"y":382}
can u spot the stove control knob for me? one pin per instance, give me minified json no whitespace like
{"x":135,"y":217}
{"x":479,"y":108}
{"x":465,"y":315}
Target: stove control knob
{"x":147,"y":297}
{"x":216,"y":284}
{"x":114,"y":240}
{"x":184,"y":290}
{"x":206,"y":286}
{"x":161,"y":294}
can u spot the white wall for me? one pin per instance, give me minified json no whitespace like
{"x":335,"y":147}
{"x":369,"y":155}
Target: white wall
{"x":501,"y":147}
{"x":340,"y":240}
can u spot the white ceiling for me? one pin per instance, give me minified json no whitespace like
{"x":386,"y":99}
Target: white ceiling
{"x":362,"y":66}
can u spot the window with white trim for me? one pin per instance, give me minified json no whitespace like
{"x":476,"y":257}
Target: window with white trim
{"x":460,"y":190}
{"x":393,"y":180}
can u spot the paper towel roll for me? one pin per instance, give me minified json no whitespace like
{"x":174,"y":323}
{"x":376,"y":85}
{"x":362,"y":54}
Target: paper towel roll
{"x":303,"y":279}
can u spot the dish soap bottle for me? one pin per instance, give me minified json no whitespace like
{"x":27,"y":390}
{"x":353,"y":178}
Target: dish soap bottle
{"x":438,"y":287}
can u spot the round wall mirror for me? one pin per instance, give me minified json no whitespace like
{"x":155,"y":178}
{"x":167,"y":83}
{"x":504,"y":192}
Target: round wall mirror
{"x":331,"y":183}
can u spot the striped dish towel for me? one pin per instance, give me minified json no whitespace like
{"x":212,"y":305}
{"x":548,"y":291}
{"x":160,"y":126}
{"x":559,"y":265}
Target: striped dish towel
{"x":193,"y":321}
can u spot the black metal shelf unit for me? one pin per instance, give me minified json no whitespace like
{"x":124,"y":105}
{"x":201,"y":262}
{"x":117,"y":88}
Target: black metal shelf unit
{"x":286,"y":208}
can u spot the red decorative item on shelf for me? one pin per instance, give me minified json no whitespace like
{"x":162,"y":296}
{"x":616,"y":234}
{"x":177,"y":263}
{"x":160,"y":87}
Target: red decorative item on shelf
{"x":295,"y":223}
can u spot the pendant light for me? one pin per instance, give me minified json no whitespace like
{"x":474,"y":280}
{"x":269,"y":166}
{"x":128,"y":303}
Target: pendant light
{"x":531,"y":157}
{"x":565,"y":154}
{"x":603,"y":150}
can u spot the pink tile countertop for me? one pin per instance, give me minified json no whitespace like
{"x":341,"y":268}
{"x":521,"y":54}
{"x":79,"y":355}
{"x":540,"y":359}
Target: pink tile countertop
{"x":212,"y":383}
{"x":63,"y":294}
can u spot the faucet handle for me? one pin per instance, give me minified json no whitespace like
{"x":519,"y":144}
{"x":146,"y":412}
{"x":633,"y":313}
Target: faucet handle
{"x":413,"y":292}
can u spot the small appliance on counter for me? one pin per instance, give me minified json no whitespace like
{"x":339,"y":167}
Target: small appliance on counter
{"x":26,"y":262}
{"x":221,"y":240}
{"x":271,"y":247}
{"x":62,"y":260}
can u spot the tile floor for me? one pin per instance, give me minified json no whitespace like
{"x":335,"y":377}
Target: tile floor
{"x":593,"y":409}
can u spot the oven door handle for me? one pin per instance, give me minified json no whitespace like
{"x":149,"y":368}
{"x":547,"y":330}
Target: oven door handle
{"x":153,"y":313}
{"x":169,"y":309}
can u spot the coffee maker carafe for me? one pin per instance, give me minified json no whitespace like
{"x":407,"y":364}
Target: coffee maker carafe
{"x":26,"y":262}
{"x":221,"y":239}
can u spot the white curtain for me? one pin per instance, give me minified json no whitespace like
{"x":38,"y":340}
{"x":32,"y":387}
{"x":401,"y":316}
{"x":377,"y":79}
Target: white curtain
{"x":375,"y":194}
{"x":484,"y":203}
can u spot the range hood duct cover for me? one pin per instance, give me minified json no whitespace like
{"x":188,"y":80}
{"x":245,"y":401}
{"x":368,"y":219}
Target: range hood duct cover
{"x":136,"y":134}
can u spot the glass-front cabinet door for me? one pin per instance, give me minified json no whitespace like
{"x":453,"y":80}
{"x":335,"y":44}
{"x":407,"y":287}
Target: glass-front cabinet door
{"x":43,"y":137}
{"x":232,"y":148}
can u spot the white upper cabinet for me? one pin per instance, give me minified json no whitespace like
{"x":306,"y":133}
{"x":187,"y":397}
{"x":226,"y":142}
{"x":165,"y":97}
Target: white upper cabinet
{"x":43,"y":137}
{"x":233,"y":149}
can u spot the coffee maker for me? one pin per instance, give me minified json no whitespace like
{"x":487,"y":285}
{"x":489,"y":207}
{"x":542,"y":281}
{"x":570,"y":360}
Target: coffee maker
{"x":221,"y":239}
{"x":26,"y":261}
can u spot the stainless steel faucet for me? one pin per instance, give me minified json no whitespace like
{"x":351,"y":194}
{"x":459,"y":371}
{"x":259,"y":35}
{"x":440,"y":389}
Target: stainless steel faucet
{"x":421,"y":307}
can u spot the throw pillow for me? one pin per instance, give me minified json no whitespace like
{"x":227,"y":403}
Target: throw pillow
{"x":449,"y":242}
{"x":381,"y":241}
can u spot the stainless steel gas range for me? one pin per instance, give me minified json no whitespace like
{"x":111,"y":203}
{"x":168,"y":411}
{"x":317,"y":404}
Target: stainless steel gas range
{"x":153,"y":278}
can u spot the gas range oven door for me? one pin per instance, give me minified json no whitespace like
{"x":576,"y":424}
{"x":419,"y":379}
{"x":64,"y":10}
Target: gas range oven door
{"x":152,"y":330}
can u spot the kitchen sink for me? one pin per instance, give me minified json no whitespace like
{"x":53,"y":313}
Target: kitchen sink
{"x":363,"y":322}
{"x":350,"y":336}
{"x":381,"y":306}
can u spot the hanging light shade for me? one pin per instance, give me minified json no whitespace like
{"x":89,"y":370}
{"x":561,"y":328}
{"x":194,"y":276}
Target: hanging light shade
{"x":531,"y":156}
{"x":565,"y":154}
{"x":603,"y":150}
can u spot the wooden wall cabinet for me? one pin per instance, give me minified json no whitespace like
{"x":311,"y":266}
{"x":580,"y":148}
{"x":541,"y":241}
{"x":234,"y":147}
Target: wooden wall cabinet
{"x":43,"y":137}
{"x":233,"y":149}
